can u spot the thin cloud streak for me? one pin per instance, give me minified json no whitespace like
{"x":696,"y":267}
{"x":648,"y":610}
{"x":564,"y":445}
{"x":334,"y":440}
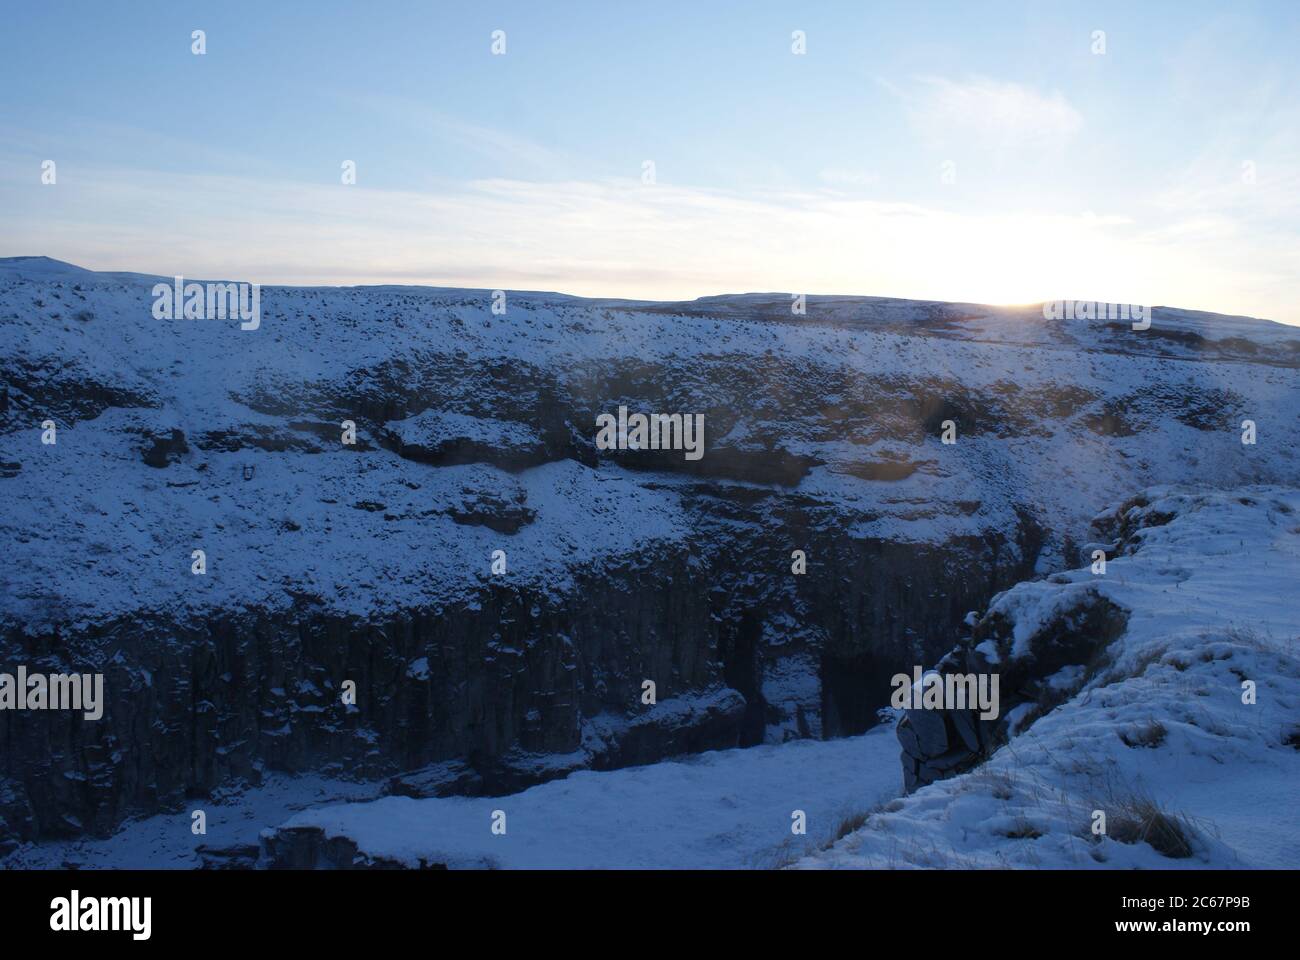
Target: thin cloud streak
{"x":994,"y":114}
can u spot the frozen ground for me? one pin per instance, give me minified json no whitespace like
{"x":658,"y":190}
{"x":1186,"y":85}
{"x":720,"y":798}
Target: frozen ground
{"x":234,"y":817}
{"x":723,"y":809}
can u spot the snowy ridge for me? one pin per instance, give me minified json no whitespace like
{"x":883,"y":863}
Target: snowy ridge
{"x":1052,"y":422}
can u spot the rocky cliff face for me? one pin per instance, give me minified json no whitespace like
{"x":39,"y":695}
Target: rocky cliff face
{"x":1148,"y":707}
{"x":497,"y":588}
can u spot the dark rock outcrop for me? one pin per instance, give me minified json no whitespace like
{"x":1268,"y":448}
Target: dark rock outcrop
{"x":940,"y":743}
{"x":446,"y":779}
{"x":307,"y":848}
{"x":243,"y":856}
{"x":166,"y":449}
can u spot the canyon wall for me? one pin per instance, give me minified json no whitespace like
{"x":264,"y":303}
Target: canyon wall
{"x":828,"y":538}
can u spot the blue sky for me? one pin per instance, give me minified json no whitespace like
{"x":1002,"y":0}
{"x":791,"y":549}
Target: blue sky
{"x":970,"y":151}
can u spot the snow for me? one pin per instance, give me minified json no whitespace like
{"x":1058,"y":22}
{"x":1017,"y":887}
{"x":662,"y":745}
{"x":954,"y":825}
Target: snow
{"x":717,"y":810}
{"x":87,"y":535}
{"x":722,"y":809}
{"x":433,"y":427}
{"x":84,"y":515}
{"x":235,"y":815}
{"x":1212,"y":598}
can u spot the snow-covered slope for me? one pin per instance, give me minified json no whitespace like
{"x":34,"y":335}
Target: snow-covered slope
{"x":373,"y":562}
{"x":725,"y":809}
{"x":1048,"y":416}
{"x":1184,"y":731}
{"x":718,"y":810}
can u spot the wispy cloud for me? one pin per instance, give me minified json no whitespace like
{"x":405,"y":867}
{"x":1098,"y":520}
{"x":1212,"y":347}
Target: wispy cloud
{"x":841,"y":177}
{"x":502,"y":147}
{"x":993,"y":114}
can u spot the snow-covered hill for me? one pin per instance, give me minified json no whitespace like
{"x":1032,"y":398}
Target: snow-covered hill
{"x":373,"y":562}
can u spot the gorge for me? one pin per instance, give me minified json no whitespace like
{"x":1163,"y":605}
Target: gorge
{"x":475,"y":432}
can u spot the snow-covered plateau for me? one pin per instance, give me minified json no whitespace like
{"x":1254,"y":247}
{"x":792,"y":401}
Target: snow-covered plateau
{"x":390,"y":640}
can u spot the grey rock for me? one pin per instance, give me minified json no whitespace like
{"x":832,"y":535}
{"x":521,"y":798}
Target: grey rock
{"x":449,"y":778}
{"x":237,"y":857}
{"x":964,"y":721}
{"x":931,"y":731}
{"x":907,"y":737}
